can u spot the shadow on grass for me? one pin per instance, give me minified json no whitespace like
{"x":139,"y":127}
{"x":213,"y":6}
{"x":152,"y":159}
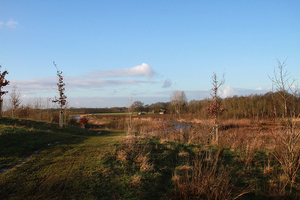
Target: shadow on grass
{"x":20,"y":138}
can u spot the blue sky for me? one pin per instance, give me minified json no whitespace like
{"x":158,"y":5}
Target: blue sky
{"x":110,"y":51}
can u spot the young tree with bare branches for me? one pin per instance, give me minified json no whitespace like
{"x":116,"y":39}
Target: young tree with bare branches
{"x":178,"y":100}
{"x":15,"y":100}
{"x":215,"y":105}
{"x":283,"y":85}
{"x":287,"y":138}
{"x":3,"y":83}
{"x":62,"y":97}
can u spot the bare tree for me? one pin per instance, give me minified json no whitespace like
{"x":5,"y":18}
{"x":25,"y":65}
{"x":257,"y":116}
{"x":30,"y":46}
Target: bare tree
{"x":38,"y":105}
{"x":215,"y":105}
{"x":62,"y":97}
{"x":287,"y":139}
{"x":3,"y":83}
{"x":15,"y":100}
{"x":48,"y":106}
{"x":283,"y":84}
{"x":178,"y":100}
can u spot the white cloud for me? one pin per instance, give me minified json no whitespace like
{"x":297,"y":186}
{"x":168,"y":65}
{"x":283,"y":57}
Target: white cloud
{"x":259,"y":88}
{"x":227,"y":91}
{"x":140,"y":70}
{"x":167,"y":83}
{"x":11,"y":23}
{"x":1,"y":24}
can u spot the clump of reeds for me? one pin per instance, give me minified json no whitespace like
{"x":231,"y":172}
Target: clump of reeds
{"x":287,"y":152}
{"x":246,"y":143}
{"x":133,"y":150}
{"x":207,"y":180}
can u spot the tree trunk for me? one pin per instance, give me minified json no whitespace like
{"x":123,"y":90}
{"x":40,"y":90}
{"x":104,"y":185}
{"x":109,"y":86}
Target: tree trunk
{"x":1,"y":107}
{"x":13,"y":113}
{"x":217,"y":136}
{"x":61,"y":122}
{"x":285,"y":108}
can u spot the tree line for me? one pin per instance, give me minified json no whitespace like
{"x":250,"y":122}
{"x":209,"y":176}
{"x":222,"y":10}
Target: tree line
{"x":252,"y":106}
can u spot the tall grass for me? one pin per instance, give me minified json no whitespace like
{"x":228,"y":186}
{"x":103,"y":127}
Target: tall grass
{"x":208,"y":179}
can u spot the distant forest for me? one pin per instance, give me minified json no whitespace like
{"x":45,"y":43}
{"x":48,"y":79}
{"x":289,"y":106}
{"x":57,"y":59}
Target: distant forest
{"x":263,"y":106}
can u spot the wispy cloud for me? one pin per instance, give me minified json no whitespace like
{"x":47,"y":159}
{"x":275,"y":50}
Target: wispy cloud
{"x":111,"y":79}
{"x":34,"y":86}
{"x":143,"y":70}
{"x":74,"y":82}
{"x":11,"y":23}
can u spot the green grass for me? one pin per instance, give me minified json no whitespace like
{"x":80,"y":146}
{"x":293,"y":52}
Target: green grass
{"x":20,"y":138}
{"x":68,"y":169}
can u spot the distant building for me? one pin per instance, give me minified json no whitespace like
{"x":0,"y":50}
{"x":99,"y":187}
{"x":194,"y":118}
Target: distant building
{"x":162,"y":111}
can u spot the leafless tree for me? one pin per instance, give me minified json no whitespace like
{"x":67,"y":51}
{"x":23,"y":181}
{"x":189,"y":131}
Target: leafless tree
{"x":15,"y":100}
{"x":283,"y":85}
{"x":38,"y":106}
{"x":48,"y":105}
{"x":178,"y":99}
{"x":3,"y":83}
{"x":215,"y":105}
{"x":61,"y":100}
{"x":287,"y":139}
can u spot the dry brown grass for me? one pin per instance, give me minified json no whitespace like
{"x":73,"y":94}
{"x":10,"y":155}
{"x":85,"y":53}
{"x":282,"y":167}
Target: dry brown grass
{"x":122,"y":155}
{"x":206,"y":180}
{"x":136,"y":180}
{"x":287,"y":152}
{"x":131,"y":149}
{"x":245,"y":137}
